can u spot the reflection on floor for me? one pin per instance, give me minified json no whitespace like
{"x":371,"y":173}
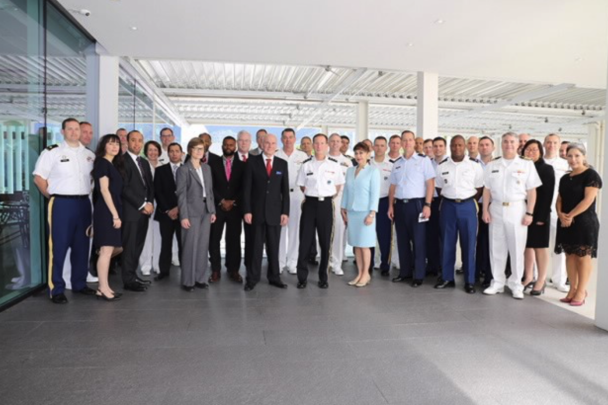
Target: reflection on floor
{"x":383,"y":344}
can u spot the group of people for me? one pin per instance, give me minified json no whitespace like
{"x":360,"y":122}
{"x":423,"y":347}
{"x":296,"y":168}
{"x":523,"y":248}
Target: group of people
{"x":514,"y":216}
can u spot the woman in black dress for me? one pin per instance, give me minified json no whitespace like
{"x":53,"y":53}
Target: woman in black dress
{"x":107,"y":174}
{"x":537,"y":244}
{"x":578,"y":226}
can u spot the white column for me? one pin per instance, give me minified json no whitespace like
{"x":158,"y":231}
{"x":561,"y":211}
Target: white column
{"x":102,"y":91}
{"x":601,"y":303}
{"x":428,"y":105}
{"x":362,"y":130}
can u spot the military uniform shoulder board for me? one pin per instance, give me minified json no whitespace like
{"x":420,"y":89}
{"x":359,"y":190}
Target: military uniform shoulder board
{"x":348,"y":156}
{"x":474,"y":160}
{"x":421,"y":155}
{"x":51,"y":147}
{"x":398,"y":159}
{"x":443,"y":161}
{"x":308,"y":160}
{"x":332,"y":159}
{"x":498,"y":157}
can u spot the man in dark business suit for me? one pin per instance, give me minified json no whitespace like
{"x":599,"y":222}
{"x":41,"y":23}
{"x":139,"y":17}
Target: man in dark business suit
{"x":227,"y":174}
{"x":243,"y":141}
{"x":208,"y":157}
{"x":137,"y":202}
{"x":266,"y":207}
{"x":167,"y":212}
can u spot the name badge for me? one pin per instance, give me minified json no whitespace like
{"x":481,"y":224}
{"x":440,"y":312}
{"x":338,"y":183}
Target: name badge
{"x":495,"y":171}
{"x":309,"y":174}
{"x":444,"y":173}
{"x":279,"y":173}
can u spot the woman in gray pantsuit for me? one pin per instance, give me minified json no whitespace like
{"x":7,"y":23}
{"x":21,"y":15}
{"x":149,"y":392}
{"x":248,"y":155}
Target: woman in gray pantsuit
{"x":196,"y":213}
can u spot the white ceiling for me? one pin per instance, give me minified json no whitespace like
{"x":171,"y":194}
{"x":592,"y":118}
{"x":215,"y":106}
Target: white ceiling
{"x":529,"y":41}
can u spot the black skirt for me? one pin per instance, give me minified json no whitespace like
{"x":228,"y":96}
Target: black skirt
{"x":538,"y":236}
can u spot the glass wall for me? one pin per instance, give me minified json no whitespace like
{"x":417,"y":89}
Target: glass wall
{"x":42,"y":81}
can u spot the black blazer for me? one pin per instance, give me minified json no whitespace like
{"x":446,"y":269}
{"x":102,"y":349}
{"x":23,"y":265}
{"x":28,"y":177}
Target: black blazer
{"x":544,"y":193}
{"x":224,"y":189}
{"x":135,"y":193}
{"x":164,"y":191}
{"x":267,"y":198}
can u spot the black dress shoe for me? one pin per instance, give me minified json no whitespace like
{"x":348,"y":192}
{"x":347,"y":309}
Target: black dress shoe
{"x":400,"y":279}
{"x":161,"y":276}
{"x":385,"y":273}
{"x":278,"y":284}
{"x":314,"y":262}
{"x":416,"y":283}
{"x":445,"y":284}
{"x":469,"y":288}
{"x":301,"y":284}
{"x":86,"y":291}
{"x":134,"y":286}
{"x":323,"y":284}
{"x":59,"y":299}
{"x":249,"y":287}
{"x":459,"y":271}
{"x":202,"y":286}
{"x":188,"y":288}
{"x":485,"y":285}
{"x":142,"y":281}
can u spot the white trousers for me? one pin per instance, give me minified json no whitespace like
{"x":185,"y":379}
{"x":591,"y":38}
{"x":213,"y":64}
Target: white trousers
{"x":394,"y":249}
{"x":290,"y":234}
{"x":339,"y":236}
{"x":557,"y":264}
{"x":149,"y":256}
{"x":508,"y":237}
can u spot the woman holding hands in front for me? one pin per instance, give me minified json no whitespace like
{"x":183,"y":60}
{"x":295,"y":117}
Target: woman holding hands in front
{"x":359,"y":207}
{"x":197,"y":213}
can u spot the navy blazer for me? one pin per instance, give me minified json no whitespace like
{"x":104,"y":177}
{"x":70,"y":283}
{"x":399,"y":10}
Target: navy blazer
{"x":266,"y":198}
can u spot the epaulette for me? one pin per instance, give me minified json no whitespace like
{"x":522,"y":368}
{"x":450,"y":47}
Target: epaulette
{"x":498,"y":157}
{"x":332,"y":159}
{"x":474,"y":160}
{"x":348,"y":156}
{"x":396,"y":160}
{"x":443,"y":161}
{"x":308,"y":160}
{"x":421,"y":155}
{"x":51,"y":147}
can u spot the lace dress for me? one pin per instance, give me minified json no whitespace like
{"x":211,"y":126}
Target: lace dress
{"x":581,"y":237}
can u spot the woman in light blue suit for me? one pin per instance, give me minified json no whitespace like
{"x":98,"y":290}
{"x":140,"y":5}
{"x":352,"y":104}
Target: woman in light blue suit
{"x":359,"y":207}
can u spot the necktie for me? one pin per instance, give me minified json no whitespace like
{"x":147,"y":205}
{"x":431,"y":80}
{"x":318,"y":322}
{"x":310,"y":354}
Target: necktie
{"x":268,"y":166}
{"x":228,"y":168}
{"x":244,"y":158}
{"x":205,"y":158}
{"x":140,"y":163}
{"x":175,"y":172}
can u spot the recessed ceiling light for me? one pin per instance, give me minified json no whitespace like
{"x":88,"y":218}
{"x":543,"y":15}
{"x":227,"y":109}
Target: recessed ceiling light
{"x":439,"y":21}
{"x":133,"y":28}
{"x":410,"y":44}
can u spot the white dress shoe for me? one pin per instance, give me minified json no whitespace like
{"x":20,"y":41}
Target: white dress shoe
{"x":562,"y":288}
{"x":338,"y":272}
{"x":492,"y":290}
{"x":518,"y":295}
{"x":145,"y":272}
{"x":92,"y":279}
{"x":292,"y":270}
{"x":175,"y":262}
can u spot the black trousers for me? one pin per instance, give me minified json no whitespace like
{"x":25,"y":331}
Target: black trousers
{"x":316,"y":215}
{"x":133,"y":240}
{"x":482,"y":261}
{"x":168,"y":228}
{"x":248,"y":229}
{"x":232,"y":222}
{"x":269,"y":235}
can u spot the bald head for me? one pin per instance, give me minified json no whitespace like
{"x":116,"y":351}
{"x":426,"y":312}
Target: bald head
{"x":269,"y":144}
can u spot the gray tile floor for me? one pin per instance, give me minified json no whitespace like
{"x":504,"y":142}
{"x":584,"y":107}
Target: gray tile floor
{"x":383,"y":344}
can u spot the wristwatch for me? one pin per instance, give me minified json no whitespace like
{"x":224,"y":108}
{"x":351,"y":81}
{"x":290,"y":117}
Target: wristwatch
{"x":529,"y":214}
{"x":427,"y":204}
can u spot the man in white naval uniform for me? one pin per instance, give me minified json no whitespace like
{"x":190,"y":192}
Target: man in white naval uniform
{"x":339,"y":234}
{"x":290,"y":234}
{"x":560,"y":166}
{"x":510,"y":184}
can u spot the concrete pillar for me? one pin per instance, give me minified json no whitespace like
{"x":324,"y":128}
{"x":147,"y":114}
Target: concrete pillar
{"x":362,"y":130}
{"x":428,"y":105}
{"x":102,"y":91}
{"x":600,"y":148}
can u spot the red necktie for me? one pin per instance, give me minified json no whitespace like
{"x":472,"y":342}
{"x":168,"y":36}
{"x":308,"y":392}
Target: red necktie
{"x":228,"y":168}
{"x":204,"y":158}
{"x":244,"y":158}
{"x":268,"y":166}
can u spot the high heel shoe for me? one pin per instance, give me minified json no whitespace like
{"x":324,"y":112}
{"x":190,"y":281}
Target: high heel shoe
{"x":354,"y":282}
{"x":577,"y":303}
{"x":102,"y":296}
{"x":360,"y":284}
{"x":565,"y":300}
{"x":529,"y":285}
{"x":536,"y":293}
